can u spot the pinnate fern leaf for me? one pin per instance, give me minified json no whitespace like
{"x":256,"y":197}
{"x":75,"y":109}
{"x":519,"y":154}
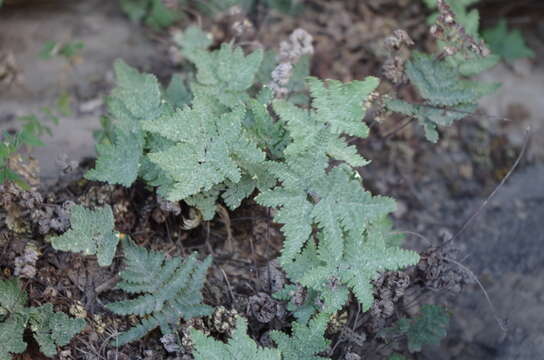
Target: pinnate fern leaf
{"x":440,"y":84}
{"x":11,"y":333}
{"x":208,"y":148}
{"x":340,"y":105}
{"x":239,"y":347}
{"x":338,"y":111}
{"x":139,"y":93}
{"x":364,"y":258}
{"x":169,"y":289}
{"x":92,"y":233}
{"x":510,"y":45}
{"x":50,"y":328}
{"x":136,"y":97}
{"x":344,"y":207}
{"x":226,"y":73}
{"x":118,"y":162}
{"x":427,"y":328}
{"x":447,"y":96}
{"x":193,"y":40}
{"x":306,"y":340}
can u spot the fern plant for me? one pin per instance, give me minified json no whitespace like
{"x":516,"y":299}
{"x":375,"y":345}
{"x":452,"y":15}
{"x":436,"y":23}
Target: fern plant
{"x":169,"y":289}
{"x":306,"y":340}
{"x":234,"y":139}
{"x":427,"y":328}
{"x":50,"y":329}
{"x":440,"y":79}
{"x":239,"y":347}
{"x":510,"y":45}
{"x":92,"y":233}
{"x":216,"y":147}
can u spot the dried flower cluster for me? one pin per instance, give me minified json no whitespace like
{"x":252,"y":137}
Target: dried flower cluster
{"x":436,"y":273}
{"x":390,"y":288}
{"x":25,"y":209}
{"x":398,"y":46}
{"x":25,"y":265}
{"x":299,"y":44}
{"x":447,"y":29}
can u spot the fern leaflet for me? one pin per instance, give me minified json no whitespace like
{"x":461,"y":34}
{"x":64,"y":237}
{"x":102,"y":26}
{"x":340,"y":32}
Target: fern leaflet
{"x":92,"y":233}
{"x":306,"y":340}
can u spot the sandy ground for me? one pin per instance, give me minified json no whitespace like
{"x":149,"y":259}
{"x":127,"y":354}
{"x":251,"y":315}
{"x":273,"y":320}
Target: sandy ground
{"x":504,"y":247}
{"x":107,"y":35}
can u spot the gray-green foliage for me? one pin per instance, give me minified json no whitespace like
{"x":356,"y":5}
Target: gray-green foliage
{"x":346,"y":252}
{"x":157,"y":15}
{"x":135,"y":98}
{"x":441,"y":79}
{"x":233,"y":139}
{"x":214,"y":7}
{"x":504,"y":44}
{"x":91,"y":233}
{"x":50,"y":329}
{"x":427,"y":328}
{"x":239,"y":347}
{"x":306,"y":340}
{"x":305,"y":343}
{"x":193,"y":40}
{"x":363,"y":258}
{"x":195,"y":152}
{"x":510,"y":45}
{"x":447,"y":96}
{"x":167,"y":289}
{"x":302,"y":304}
{"x":153,"y":12}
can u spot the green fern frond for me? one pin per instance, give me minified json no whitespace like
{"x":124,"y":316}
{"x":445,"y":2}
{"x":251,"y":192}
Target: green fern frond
{"x":193,"y":40}
{"x":304,"y":311}
{"x":118,"y":162}
{"x":12,"y":332}
{"x":136,"y":97}
{"x":177,"y":92}
{"x":139,"y":93}
{"x":51,"y":329}
{"x":344,"y":208}
{"x":340,"y":105}
{"x":206,"y":201}
{"x":306,"y":340}
{"x":256,"y":176}
{"x":364,"y":258}
{"x":338,"y":111}
{"x":335,"y":201}
{"x":447,"y":96}
{"x":226,"y":74}
{"x":208,"y":148}
{"x":92,"y":233}
{"x":12,"y":299}
{"x":239,"y":347}
{"x":440,"y":84}
{"x":427,"y":328}
{"x":510,"y":45}
{"x":430,"y":117}
{"x":368,"y":256}
{"x":169,"y":289}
